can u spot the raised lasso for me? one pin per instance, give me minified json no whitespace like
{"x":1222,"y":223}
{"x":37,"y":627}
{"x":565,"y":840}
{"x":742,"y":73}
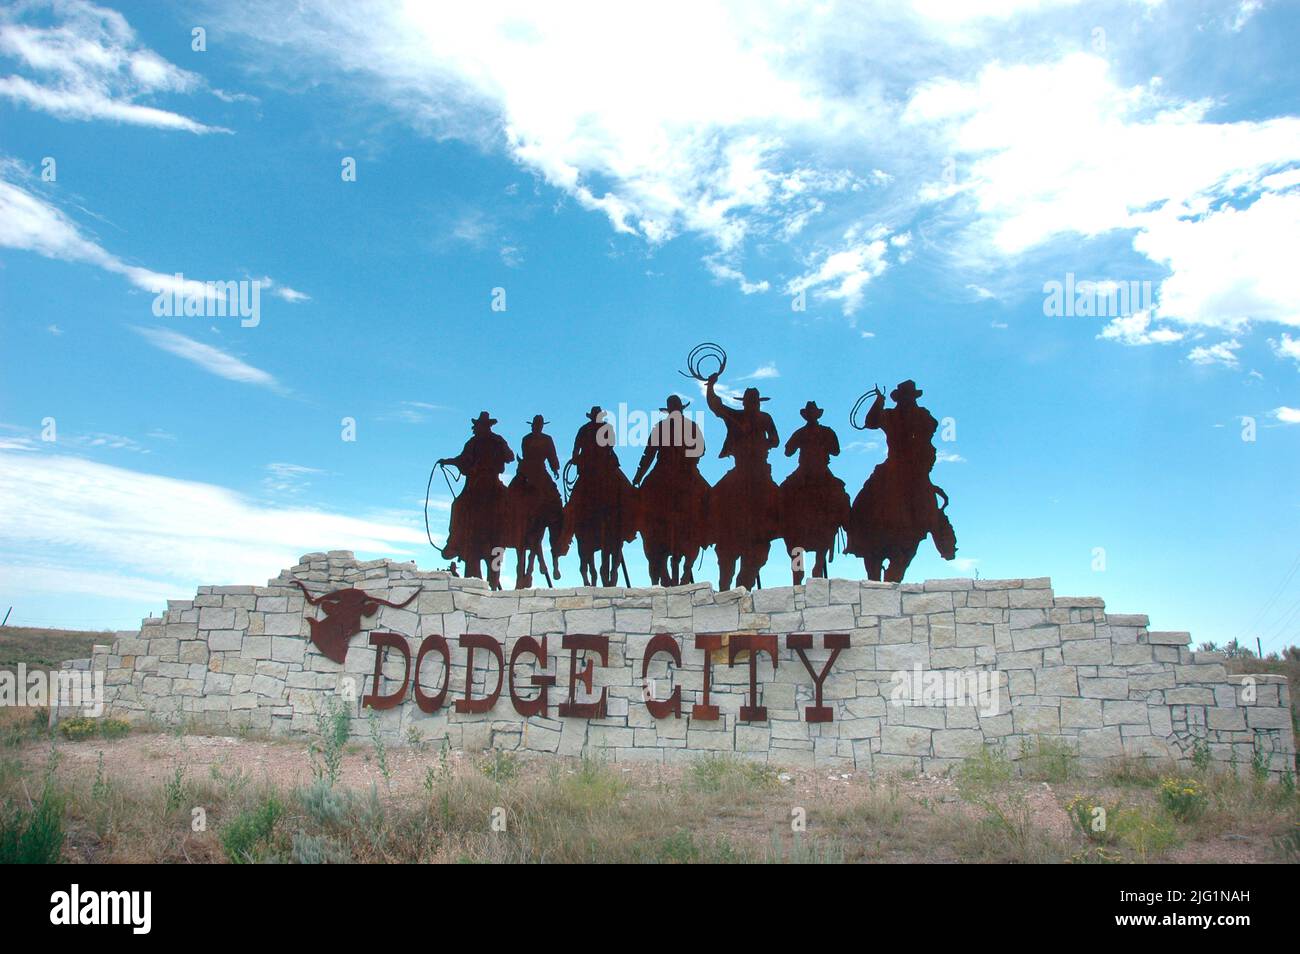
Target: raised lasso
{"x":701,"y":353}
{"x":857,"y":406}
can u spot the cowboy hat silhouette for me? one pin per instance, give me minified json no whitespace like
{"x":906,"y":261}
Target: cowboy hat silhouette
{"x":906,"y":390}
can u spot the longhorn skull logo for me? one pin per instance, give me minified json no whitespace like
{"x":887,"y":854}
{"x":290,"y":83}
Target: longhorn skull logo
{"x":343,"y":612}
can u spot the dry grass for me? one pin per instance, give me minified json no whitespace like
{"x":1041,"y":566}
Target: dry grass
{"x":258,"y":800}
{"x":45,"y":648}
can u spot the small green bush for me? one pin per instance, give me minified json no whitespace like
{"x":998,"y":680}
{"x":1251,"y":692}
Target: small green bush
{"x":1184,"y":798}
{"x":333,"y":726}
{"x":82,"y":727}
{"x":248,"y":836}
{"x":32,"y":836}
{"x":500,"y":766}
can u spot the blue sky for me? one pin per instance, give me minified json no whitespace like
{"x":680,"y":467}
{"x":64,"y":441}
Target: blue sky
{"x":637,"y":184}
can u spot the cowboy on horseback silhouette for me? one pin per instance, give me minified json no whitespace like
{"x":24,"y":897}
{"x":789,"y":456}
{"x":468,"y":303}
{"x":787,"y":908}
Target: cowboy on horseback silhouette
{"x":534,"y":504}
{"x":814,"y":503}
{"x":601,"y":509}
{"x":896,"y":507}
{"x":479,"y":528}
{"x":673,"y":499}
{"x":744,"y":507}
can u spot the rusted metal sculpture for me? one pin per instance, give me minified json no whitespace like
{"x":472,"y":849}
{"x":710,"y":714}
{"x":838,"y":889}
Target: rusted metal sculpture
{"x":601,"y":512}
{"x":814,"y":503}
{"x":673,"y":497}
{"x":896,"y":508}
{"x":745,"y":506}
{"x":343,"y":611}
{"x":479,"y":530}
{"x":533,"y":503}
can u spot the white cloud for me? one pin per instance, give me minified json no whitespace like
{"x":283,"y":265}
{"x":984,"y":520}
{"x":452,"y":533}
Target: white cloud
{"x":291,"y":295}
{"x":288,"y":479}
{"x":768,"y":370}
{"x":708,"y":140}
{"x":83,"y":527}
{"x":89,"y":65}
{"x":844,"y":274}
{"x":726,"y":272}
{"x":1135,"y":329}
{"x":776,"y":123}
{"x":1140,"y":161}
{"x":412,"y":412}
{"x":1223,"y":353}
{"x":210,"y":359}
{"x":1287,"y":415}
{"x":1286,"y":347}
{"x":29,"y":223}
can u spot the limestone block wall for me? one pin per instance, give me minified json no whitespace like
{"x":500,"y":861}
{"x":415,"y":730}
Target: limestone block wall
{"x":1058,"y":668}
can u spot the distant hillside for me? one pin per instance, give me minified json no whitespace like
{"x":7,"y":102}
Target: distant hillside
{"x":45,"y":648}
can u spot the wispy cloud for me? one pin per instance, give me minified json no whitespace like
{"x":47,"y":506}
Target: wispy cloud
{"x":88,"y":65}
{"x":412,"y":412}
{"x":288,"y":479}
{"x":65,"y":519}
{"x":210,"y":359}
{"x":1223,"y":353}
{"x":30,"y":223}
{"x":768,"y":370}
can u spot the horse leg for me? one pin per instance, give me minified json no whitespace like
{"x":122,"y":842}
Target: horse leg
{"x":899,"y":561}
{"x":819,"y":568}
{"x":609,"y":566}
{"x":726,"y":567}
{"x":750,"y":564}
{"x":472,"y":568}
{"x":541,"y":563}
{"x":688,"y":568}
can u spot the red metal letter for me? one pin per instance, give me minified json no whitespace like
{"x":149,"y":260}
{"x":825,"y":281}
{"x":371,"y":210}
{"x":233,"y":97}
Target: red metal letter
{"x":380,"y":641}
{"x":576,"y":644}
{"x":429,"y":703}
{"x":710,"y":643}
{"x":661,"y":709}
{"x":473,"y":641}
{"x":755,"y":643}
{"x":800,"y":642}
{"x":530,"y":707}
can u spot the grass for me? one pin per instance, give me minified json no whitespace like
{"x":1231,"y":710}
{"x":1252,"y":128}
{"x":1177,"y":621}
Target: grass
{"x":45,"y":648}
{"x":432,"y":805}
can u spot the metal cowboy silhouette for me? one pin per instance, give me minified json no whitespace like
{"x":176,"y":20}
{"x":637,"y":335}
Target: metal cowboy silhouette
{"x":601,"y":512}
{"x":745,"y":505}
{"x":896,"y":507}
{"x":673,"y":499}
{"x":479,"y":528}
{"x":534,"y":505}
{"x":814,"y":503}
